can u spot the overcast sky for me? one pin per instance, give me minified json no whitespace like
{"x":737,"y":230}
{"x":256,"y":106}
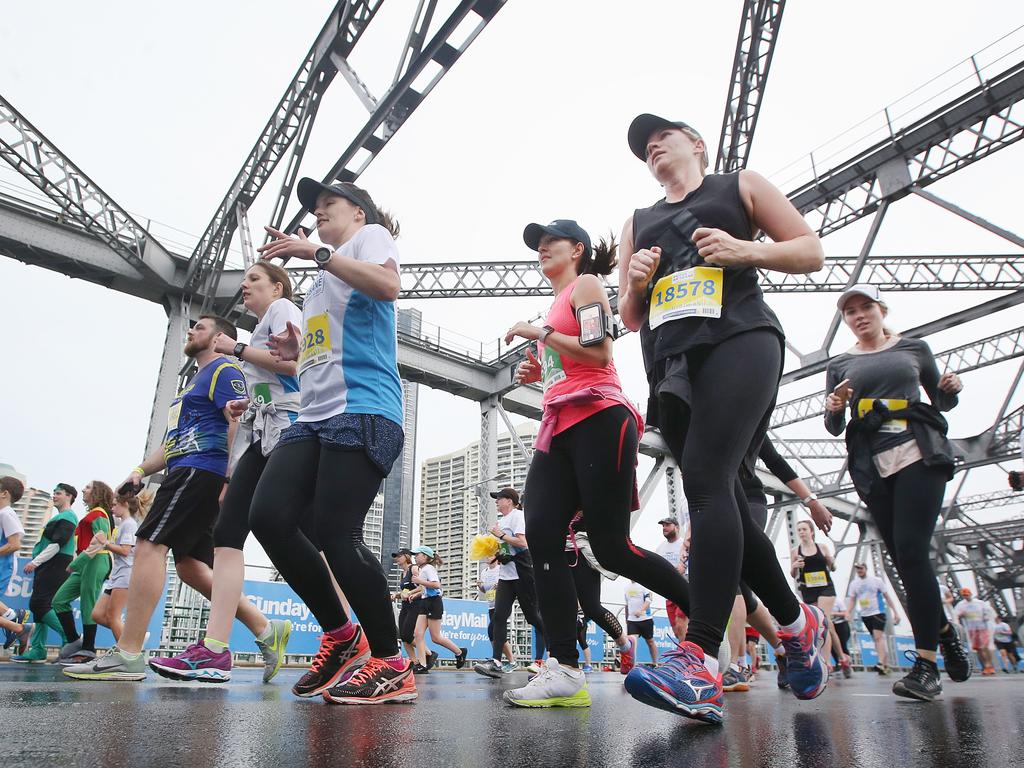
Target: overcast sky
{"x":160,"y":103}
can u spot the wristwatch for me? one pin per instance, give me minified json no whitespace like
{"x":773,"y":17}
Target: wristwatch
{"x":544,"y":333}
{"x":322,"y":257}
{"x":239,"y":349}
{"x":810,"y":497}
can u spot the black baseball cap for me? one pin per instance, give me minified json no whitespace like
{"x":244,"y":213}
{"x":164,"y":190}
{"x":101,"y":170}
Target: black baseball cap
{"x":507,"y":493}
{"x":669,"y":519}
{"x":566,"y":228}
{"x":402,"y":551}
{"x":644,"y":125}
{"x":310,"y":189}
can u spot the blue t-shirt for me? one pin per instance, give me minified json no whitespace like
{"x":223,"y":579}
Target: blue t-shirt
{"x":197,"y":431}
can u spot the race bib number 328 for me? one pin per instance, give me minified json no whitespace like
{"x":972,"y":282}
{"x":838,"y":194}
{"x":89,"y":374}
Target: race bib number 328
{"x":316,"y":342}
{"x":694,"y":292}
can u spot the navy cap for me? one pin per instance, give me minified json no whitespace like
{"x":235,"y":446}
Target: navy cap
{"x":310,"y":189}
{"x":644,"y":125}
{"x":566,"y":228}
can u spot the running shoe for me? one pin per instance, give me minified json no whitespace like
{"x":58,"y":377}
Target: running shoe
{"x":10,"y":637}
{"x":588,"y":668}
{"x":113,"y":665}
{"x":274,"y":650}
{"x":70,"y":649}
{"x":626,"y":660}
{"x":553,"y":686}
{"x":377,"y":682}
{"x":681,"y":684}
{"x":79,"y":658}
{"x":23,"y":638}
{"x":535,"y":667}
{"x":922,"y":682}
{"x":806,"y":672}
{"x":988,"y":671}
{"x":419,"y":669}
{"x":431,"y":659}
{"x":488,"y":668}
{"x":508,"y":666}
{"x":955,"y":658}
{"x":734,"y":680}
{"x":334,"y":659}
{"x":881,"y":669}
{"x":197,"y":662}
{"x":846,"y":667}
{"x":28,"y":657}
{"x":460,"y":659}
{"x":780,"y":661}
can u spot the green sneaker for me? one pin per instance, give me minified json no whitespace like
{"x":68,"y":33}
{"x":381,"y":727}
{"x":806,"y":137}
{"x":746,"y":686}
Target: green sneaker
{"x":273,"y":651}
{"x":31,"y":656}
{"x":553,"y":686}
{"x":113,"y":665}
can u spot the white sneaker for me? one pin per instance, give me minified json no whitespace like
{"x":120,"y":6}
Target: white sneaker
{"x":534,"y":667}
{"x":553,"y":686}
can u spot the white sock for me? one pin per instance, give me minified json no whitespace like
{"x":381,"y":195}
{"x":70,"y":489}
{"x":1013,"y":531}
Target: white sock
{"x":626,"y":647}
{"x":734,"y":666}
{"x":797,"y":626}
{"x":780,"y":650}
{"x":712,"y":664}
{"x":10,"y":615}
{"x":266,"y":634}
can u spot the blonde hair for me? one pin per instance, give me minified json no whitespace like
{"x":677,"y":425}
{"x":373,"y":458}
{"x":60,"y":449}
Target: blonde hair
{"x":138,"y":505}
{"x":693,"y":135}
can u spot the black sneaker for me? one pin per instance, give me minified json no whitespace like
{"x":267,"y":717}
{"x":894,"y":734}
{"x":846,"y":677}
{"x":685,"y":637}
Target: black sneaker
{"x":921,"y":682}
{"x":881,"y":669}
{"x":376,"y":683}
{"x":783,"y":683}
{"x":431,"y":659}
{"x":419,"y":669}
{"x":958,"y":663}
{"x":460,"y":660}
{"x":489,"y":668}
{"x":334,"y":660}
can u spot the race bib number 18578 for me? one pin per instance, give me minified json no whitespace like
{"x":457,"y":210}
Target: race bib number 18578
{"x":694,"y":292}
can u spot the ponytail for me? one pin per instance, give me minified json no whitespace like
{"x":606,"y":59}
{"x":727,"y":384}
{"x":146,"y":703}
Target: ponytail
{"x":602,"y":260}
{"x":138,"y":505}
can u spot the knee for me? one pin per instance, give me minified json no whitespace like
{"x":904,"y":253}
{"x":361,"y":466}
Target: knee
{"x":264,"y":521}
{"x":702,"y":483}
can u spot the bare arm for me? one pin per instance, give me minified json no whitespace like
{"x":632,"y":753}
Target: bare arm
{"x":795,"y":248}
{"x":632,"y":284}
{"x":13,"y":544}
{"x":266,"y":361}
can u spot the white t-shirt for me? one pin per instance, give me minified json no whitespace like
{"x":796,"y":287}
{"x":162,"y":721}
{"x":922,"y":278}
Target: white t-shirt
{"x":974,"y":613}
{"x":513,"y":524}
{"x":866,"y":592}
{"x":11,"y":526}
{"x":429,"y":573}
{"x":122,"y":564}
{"x":671,"y":550}
{"x":266,"y":386}
{"x":1003,"y":633}
{"x":636,"y":596}
{"x":489,"y":581}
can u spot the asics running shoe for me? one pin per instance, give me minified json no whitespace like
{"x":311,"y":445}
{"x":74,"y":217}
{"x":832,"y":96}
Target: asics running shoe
{"x":377,"y":682}
{"x":274,"y":649}
{"x":734,"y":680}
{"x":955,"y":658}
{"x":197,"y":662}
{"x":680,"y":684}
{"x":488,"y":668}
{"x":553,"y":686}
{"x":508,"y":666}
{"x":922,"y":682}
{"x":113,"y":665}
{"x":627,"y":659}
{"x":806,"y":672}
{"x":333,"y":661}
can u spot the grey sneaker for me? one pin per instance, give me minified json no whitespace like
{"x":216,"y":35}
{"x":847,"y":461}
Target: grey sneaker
{"x":553,"y":686}
{"x":489,"y":668}
{"x":508,"y":666}
{"x":274,"y":650}
{"x":113,"y":665}
{"x":70,"y":649}
{"x":79,"y":658}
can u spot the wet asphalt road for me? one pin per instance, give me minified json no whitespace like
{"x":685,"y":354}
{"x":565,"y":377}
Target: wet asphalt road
{"x":460,"y":720}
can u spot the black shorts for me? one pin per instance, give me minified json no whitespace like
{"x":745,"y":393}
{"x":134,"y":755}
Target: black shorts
{"x":874,"y":623}
{"x":810,"y":595}
{"x":644,"y":628}
{"x":1010,"y":647}
{"x":432,"y":607}
{"x":407,"y":616}
{"x":183,"y":514}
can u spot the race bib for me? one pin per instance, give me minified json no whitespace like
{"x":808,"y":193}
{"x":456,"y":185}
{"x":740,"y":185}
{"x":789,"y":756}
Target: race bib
{"x":316,"y":342}
{"x":694,"y":292}
{"x":551,"y":368}
{"x":490,"y":594}
{"x":261,"y":394}
{"x":864,"y":602}
{"x":173,"y":414}
{"x":892,"y":426}
{"x":815,"y":579}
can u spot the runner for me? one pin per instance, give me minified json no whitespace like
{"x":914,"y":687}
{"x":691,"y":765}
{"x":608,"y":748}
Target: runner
{"x":977,"y":617}
{"x":407,"y":611}
{"x":515,"y":581}
{"x":431,"y":607}
{"x":753,"y":639}
{"x":330,"y":463}
{"x":690,"y":286}
{"x":1006,"y":644}
{"x":899,"y":466}
{"x":271,"y":408}
{"x":585,"y":453}
{"x":812,"y":567}
{"x":640,"y":619}
{"x":88,"y":571}
{"x":863,"y":593}
{"x":195,"y":453}
{"x":841,"y":649}
{"x":51,"y":555}
{"x":672,"y":550}
{"x":488,"y":586}
{"x":11,"y":533}
{"x":128,"y":510}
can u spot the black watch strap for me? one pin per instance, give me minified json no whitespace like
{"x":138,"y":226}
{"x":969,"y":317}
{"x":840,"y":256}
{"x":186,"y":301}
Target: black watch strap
{"x":239,"y":349}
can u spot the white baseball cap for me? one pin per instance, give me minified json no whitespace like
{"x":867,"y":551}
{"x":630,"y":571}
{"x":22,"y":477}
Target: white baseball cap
{"x":860,"y":289}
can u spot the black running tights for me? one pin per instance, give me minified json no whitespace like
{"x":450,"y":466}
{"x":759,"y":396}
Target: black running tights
{"x":843,"y":632}
{"x":507,"y":592}
{"x":338,"y":486}
{"x":733,"y":389}
{"x":905,"y":507}
{"x":588,"y":593}
{"x":590,"y":466}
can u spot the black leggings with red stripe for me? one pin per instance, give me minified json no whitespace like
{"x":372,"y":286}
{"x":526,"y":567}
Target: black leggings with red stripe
{"x":590,"y":466}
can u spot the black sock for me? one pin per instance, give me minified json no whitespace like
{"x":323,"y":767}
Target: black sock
{"x":67,"y":623}
{"x":89,"y":637}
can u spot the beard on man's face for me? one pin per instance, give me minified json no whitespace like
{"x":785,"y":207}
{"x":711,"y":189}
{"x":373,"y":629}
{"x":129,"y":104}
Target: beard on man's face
{"x":194,"y":347}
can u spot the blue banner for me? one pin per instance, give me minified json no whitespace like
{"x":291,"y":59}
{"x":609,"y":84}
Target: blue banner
{"x":19,"y":591}
{"x":664,"y":640}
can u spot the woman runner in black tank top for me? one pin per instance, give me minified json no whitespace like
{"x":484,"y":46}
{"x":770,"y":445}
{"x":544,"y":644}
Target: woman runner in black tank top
{"x":713,"y":356}
{"x":812,"y":567}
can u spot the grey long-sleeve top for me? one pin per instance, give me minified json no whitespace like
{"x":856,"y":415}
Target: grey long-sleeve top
{"x":897,"y":372}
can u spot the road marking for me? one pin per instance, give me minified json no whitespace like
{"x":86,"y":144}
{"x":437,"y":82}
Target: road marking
{"x":883,"y":695}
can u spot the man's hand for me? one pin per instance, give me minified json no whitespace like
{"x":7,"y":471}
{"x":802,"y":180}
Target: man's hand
{"x":237,"y":407}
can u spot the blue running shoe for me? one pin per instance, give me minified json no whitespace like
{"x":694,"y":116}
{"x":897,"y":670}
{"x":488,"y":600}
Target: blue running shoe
{"x":806,"y":671}
{"x":680,"y":684}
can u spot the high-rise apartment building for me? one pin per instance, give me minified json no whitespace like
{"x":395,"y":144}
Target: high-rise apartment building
{"x":33,"y":509}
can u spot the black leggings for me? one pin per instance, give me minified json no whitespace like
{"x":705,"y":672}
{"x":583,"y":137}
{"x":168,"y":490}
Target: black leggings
{"x":843,"y":632}
{"x":733,"y":388}
{"x":507,"y":592}
{"x":232,"y":525}
{"x":588,"y":593}
{"x":338,"y":486}
{"x":591,"y":466}
{"x":47,"y":580}
{"x":905,"y":507}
